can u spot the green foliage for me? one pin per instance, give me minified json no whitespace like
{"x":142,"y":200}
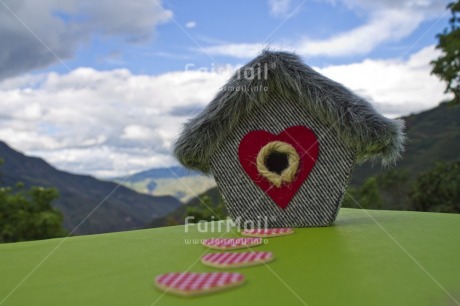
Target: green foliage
{"x":350,"y":200}
{"x":27,"y":214}
{"x":394,"y":185}
{"x":206,"y":211}
{"x":447,"y":66}
{"x":367,"y":196}
{"x":438,"y":190}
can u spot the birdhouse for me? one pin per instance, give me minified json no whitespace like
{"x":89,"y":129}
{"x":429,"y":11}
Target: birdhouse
{"x":281,"y":141}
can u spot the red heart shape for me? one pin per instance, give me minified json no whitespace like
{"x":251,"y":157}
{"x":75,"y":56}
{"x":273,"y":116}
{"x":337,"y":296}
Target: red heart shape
{"x":304,"y":142}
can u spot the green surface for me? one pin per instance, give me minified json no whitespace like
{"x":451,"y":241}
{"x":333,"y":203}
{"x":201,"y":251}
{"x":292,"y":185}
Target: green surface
{"x":366,"y":258}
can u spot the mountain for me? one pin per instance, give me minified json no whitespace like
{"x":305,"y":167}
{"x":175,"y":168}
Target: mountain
{"x":179,"y":182}
{"x":432,"y":136}
{"x":116,"y":208}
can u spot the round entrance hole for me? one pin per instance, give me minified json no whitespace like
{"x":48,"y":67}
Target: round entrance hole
{"x":277,"y":162}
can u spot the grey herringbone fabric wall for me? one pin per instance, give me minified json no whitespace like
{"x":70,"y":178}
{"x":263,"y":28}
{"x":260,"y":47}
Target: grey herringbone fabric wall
{"x":317,"y":201}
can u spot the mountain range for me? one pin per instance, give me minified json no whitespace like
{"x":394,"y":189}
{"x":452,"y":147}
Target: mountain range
{"x":93,"y":205}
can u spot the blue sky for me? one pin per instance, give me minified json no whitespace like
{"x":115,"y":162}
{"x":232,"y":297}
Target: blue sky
{"x":174,"y":44}
{"x":102,"y":87}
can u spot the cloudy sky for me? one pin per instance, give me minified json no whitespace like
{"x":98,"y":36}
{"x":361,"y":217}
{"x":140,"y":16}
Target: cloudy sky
{"x":103,"y":87}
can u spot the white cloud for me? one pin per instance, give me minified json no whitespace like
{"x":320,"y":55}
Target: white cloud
{"x":106,"y":123}
{"x":63,"y":26}
{"x":395,"y":87}
{"x":387,"y":21}
{"x":190,"y":24}
{"x":384,"y":26}
{"x":280,"y":8}
{"x":427,"y":6}
{"x":109,"y":123}
{"x":138,"y":132}
{"x":237,"y":50}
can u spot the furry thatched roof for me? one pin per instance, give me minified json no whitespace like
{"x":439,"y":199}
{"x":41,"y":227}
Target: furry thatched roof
{"x":372,"y":135}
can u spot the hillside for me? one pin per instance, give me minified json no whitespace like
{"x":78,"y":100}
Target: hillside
{"x":432,"y":136}
{"x":124,"y":209}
